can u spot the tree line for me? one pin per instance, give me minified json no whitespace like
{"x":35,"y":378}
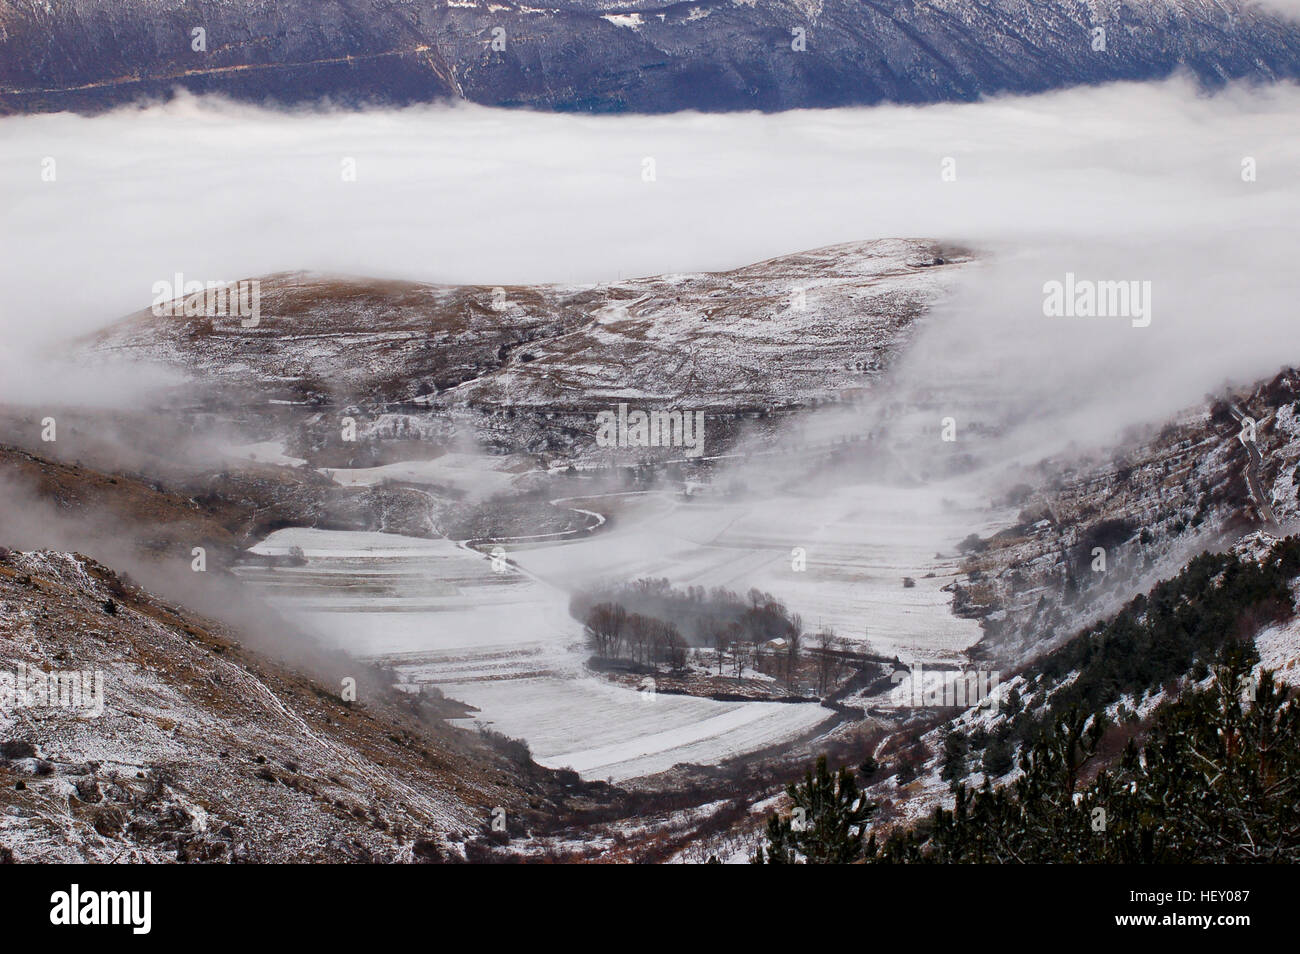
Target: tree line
{"x":652,"y":623}
{"x":1215,"y":778}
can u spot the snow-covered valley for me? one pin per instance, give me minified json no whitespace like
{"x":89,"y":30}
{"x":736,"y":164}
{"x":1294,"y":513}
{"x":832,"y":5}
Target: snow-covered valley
{"x":503,"y":641}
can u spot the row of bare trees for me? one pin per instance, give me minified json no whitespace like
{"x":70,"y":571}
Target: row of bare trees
{"x":651,"y":623}
{"x":614,"y":633}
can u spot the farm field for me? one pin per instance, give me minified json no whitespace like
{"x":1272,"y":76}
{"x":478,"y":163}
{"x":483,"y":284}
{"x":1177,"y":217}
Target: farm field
{"x":504,"y":642}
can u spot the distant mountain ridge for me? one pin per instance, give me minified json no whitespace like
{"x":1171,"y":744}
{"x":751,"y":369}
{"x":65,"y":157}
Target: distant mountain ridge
{"x":640,"y":56}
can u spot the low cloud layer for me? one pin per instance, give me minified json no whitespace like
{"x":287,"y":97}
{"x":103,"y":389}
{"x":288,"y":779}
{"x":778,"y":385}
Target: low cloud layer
{"x":1290,"y":8}
{"x":1128,"y":182}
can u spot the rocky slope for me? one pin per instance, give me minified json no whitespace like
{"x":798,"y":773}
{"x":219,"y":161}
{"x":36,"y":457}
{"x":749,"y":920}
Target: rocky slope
{"x":1153,"y":506}
{"x":60,"y":503}
{"x":1171,"y":493}
{"x":203,"y":750}
{"x":636,"y":55}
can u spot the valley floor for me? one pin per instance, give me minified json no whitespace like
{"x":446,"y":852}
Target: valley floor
{"x":504,"y":642}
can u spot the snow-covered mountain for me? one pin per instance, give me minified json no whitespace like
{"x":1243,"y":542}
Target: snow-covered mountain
{"x":640,"y":55}
{"x":521,"y":367}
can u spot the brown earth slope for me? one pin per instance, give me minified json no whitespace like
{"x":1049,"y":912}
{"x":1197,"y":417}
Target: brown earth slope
{"x":207,"y":751}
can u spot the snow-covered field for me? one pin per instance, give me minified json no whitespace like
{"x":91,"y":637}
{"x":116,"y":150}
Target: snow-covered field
{"x":604,"y":731}
{"x":504,"y":642}
{"x":382,"y":594}
{"x":858,"y":542}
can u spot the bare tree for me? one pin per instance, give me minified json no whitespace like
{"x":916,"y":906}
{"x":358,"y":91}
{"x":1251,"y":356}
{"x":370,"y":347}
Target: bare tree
{"x":738,"y":655}
{"x":828,"y":661}
{"x":721,"y":640}
{"x":604,"y":628}
{"x":792,"y":646}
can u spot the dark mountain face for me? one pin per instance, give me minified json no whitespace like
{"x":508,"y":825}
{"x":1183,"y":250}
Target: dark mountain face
{"x":599,"y":56}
